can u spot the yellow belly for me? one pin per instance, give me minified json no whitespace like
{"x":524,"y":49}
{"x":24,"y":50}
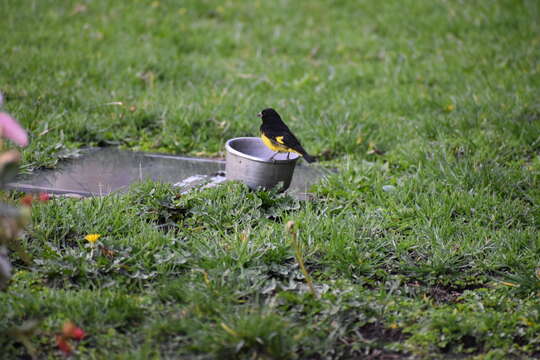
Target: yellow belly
{"x":275,"y":146}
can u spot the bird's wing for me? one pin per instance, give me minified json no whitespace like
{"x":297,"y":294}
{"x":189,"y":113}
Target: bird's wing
{"x":289,"y":140}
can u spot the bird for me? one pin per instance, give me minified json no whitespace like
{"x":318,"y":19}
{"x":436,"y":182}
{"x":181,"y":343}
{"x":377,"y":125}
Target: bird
{"x":277,"y":136}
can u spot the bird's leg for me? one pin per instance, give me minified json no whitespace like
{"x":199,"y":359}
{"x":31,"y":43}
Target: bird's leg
{"x":272,"y":157}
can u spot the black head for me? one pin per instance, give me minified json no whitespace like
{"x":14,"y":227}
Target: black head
{"x":269,"y":115}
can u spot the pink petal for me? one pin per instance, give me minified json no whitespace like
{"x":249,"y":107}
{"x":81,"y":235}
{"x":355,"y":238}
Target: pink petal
{"x":11,"y":129}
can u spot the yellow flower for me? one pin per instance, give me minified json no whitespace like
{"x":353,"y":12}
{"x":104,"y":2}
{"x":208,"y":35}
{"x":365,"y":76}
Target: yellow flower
{"x":92,"y":238}
{"x":450,"y":108}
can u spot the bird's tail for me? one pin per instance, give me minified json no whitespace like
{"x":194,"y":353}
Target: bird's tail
{"x":308,"y":157}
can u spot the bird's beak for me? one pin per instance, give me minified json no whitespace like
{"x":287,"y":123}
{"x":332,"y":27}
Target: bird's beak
{"x":259,"y":115}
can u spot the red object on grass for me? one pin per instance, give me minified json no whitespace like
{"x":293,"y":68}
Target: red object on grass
{"x":63,"y":345}
{"x":72,"y":331}
{"x":27,"y":200}
{"x":78,"y":334}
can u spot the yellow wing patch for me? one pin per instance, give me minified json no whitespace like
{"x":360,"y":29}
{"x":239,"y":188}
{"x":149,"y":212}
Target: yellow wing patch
{"x":276,"y":144}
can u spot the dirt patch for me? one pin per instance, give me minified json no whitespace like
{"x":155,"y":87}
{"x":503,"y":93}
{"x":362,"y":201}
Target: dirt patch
{"x":443,"y":295}
{"x":379,"y":335}
{"x":378,"y":354}
{"x":169,"y":216}
{"x":365,"y":354}
{"x":377,"y":331}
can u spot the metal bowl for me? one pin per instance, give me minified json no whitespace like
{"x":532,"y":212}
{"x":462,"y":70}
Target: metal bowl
{"x":248,"y":161}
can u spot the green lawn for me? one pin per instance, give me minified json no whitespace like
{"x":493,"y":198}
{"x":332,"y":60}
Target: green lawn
{"x":425,"y":245}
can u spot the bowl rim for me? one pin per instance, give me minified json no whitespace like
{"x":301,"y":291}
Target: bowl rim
{"x":230,"y":149}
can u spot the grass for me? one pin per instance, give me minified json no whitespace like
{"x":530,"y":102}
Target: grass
{"x":424,"y":245}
